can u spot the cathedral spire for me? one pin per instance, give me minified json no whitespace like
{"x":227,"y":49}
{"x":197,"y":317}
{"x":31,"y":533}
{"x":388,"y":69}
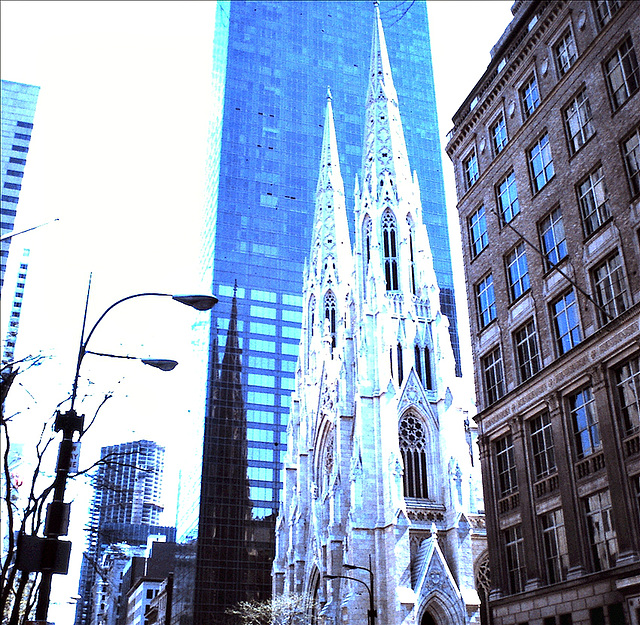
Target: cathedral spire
{"x":385,"y":152}
{"x":331,"y":247}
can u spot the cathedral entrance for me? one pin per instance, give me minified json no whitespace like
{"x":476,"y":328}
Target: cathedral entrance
{"x":427,"y":619}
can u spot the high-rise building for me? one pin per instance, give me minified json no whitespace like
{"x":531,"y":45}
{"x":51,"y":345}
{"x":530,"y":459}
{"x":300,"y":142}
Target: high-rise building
{"x":18,"y":108}
{"x":382,"y":485}
{"x":273,"y":62}
{"x":547,"y":160}
{"x":126,"y":508}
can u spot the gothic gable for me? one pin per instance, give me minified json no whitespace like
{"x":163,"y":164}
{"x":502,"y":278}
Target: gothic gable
{"x":413,"y":396}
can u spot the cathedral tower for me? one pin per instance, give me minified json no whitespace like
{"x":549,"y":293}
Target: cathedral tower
{"x":380,"y":470}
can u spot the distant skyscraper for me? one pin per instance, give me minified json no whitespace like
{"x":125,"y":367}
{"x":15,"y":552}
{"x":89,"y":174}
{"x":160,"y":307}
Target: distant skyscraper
{"x":273,"y":62}
{"x":18,"y":109}
{"x":126,"y":508}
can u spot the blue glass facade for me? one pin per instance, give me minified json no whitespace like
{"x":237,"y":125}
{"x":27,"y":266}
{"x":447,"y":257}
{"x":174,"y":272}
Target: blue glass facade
{"x":273,"y":62}
{"x":18,"y":108}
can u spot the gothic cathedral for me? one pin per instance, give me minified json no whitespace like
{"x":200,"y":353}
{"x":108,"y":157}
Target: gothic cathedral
{"x":382,"y":505}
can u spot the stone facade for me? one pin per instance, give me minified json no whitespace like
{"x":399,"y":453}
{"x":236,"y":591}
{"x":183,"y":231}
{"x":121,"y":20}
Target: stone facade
{"x":546,"y":153}
{"x":380,"y":471}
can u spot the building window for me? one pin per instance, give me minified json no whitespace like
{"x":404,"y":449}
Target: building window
{"x":526,"y":344}
{"x":471,"y":172}
{"x":578,"y":122}
{"x":412,"y":262}
{"x":478,"y":231}
{"x":544,"y":460}
{"x":506,"y":466}
{"x":413,"y":446}
{"x":499,"y":135}
{"x":631,"y":150}
{"x":621,"y":69}
{"x":602,"y":536}
{"x":517,"y":272}
{"x":610,"y":289}
{"x":390,"y":251}
{"x":507,"y":193}
{"x":540,"y":163}
{"x":530,"y":97}
{"x":566,"y":323}
{"x":366,"y":239}
{"x":486,"y":301}
{"x":423,"y":366}
{"x":330,"y":316}
{"x":565,"y":53}
{"x":554,"y":243}
{"x":585,"y":422}
{"x":514,"y":552}
{"x":605,"y":10}
{"x":554,"y":542}
{"x":594,"y":201}
{"x":493,"y":376}
{"x":400,"y":363}
{"x":627,"y":378}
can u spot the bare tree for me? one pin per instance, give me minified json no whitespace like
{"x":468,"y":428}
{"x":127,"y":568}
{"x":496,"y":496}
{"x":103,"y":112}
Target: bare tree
{"x":296,"y":609}
{"x":24,"y":512}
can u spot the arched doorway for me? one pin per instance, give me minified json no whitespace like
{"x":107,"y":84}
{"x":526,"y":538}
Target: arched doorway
{"x":427,"y":619}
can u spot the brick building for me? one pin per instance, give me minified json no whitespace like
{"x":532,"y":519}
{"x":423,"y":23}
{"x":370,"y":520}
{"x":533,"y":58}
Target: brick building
{"x":547,"y":161}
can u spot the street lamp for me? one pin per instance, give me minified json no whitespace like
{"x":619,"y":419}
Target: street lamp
{"x":372,"y":613}
{"x":50,"y":555}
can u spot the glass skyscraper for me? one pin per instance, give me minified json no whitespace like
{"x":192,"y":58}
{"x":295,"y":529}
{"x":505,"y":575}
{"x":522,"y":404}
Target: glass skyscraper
{"x":273,"y":63}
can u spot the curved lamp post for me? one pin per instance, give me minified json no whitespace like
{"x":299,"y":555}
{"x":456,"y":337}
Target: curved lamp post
{"x":50,"y":555}
{"x":372,"y":613}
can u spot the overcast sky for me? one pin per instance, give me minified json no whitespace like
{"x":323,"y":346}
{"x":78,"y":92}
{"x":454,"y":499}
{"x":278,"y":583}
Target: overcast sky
{"x":118,"y":156}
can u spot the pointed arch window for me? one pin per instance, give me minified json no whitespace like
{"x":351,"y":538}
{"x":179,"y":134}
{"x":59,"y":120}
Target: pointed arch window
{"x":423,"y":366}
{"x":330,"y":315}
{"x":366,"y":240}
{"x":390,"y":251}
{"x":400,"y":367}
{"x":413,"y":447}
{"x":311,"y":320}
{"x":412,"y":263}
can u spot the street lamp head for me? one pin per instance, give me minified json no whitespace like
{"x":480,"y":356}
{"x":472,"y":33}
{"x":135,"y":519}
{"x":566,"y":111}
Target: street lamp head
{"x":199,"y":302}
{"x":157,"y":363}
{"x":331,"y":576}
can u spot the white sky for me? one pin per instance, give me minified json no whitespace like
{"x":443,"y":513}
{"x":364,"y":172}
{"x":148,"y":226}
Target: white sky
{"x":118,"y":156}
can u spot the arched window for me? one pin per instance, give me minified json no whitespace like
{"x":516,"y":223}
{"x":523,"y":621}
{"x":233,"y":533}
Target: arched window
{"x":327,"y":460}
{"x":366,"y":240}
{"x":413,"y":445}
{"x":423,"y":366}
{"x":330,"y":315}
{"x":390,"y":251}
{"x":400,"y":368}
{"x":311,"y":315}
{"x":412,"y":263}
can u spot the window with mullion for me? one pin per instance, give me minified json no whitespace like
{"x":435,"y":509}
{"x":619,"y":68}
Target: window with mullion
{"x":478,"y":231}
{"x":530,"y":96}
{"x":554,"y":541}
{"x":605,"y":10}
{"x":627,"y":378}
{"x":631,"y":150}
{"x":566,"y":322}
{"x":554,"y":243}
{"x":506,"y":466}
{"x":486,"y":301}
{"x":471,"y":172}
{"x":544,"y":461}
{"x":579,"y":121}
{"x":526,"y":344}
{"x":514,"y":554}
{"x":507,"y":194}
{"x":585,"y":422}
{"x":390,"y":251}
{"x":602,"y":534}
{"x":594,"y":201}
{"x":493,"y":374}
{"x":565,"y":53}
{"x":499,"y":135}
{"x":517,"y":272}
{"x":621,"y":69}
{"x":610,"y":288}
{"x":541,"y":163}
